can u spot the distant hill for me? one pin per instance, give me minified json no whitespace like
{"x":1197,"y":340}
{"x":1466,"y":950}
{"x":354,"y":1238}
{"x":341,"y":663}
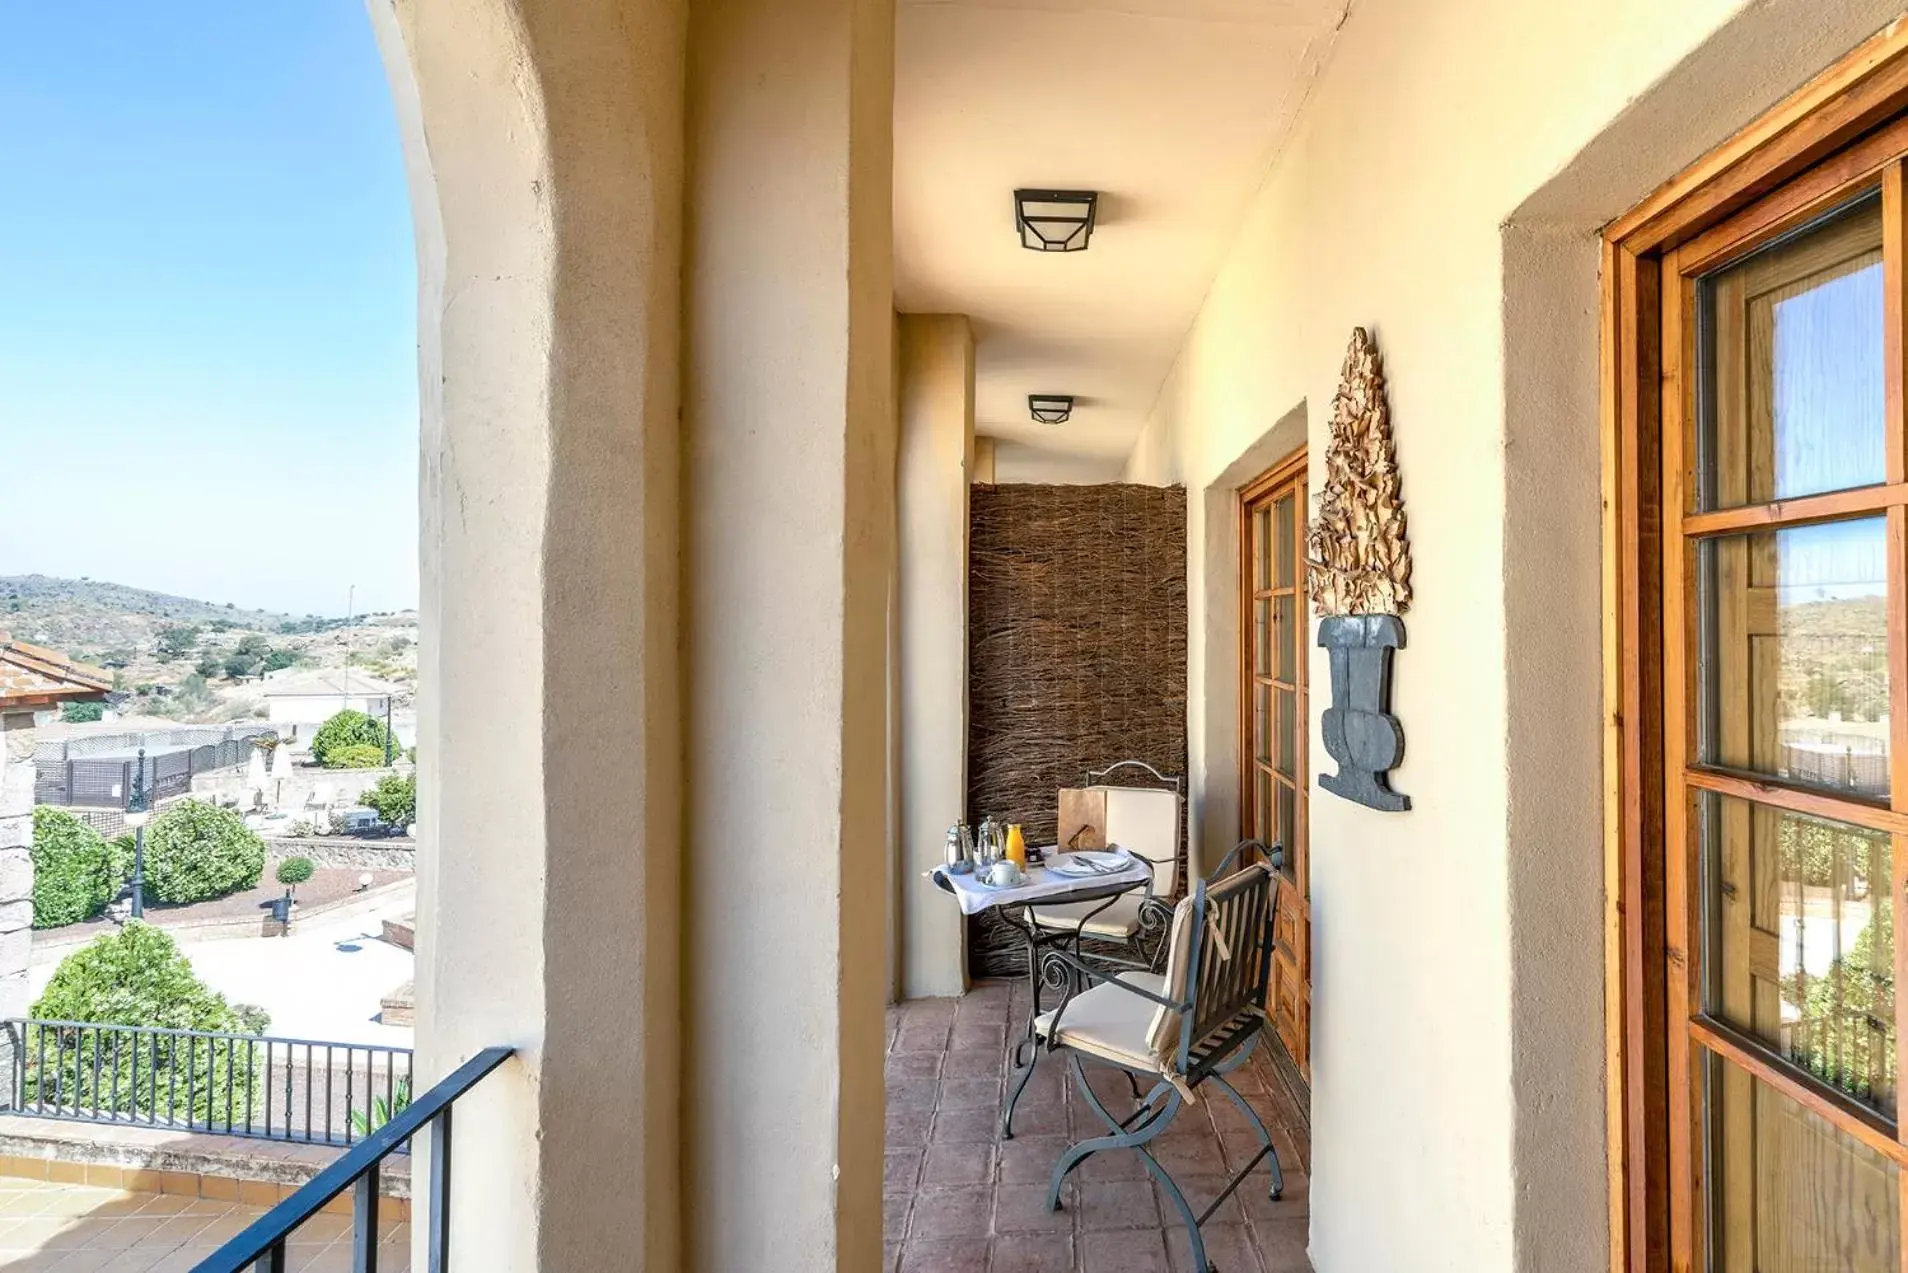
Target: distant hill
{"x":86,"y":617}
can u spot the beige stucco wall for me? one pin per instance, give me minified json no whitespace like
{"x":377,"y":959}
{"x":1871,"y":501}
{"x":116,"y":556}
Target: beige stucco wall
{"x":789,"y":479}
{"x":1442,"y":187}
{"x":936,"y":386}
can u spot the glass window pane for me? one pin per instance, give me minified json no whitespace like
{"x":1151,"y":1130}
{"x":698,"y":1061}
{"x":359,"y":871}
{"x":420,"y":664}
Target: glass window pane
{"x":1799,"y":941}
{"x":1287,"y":727}
{"x":1796,"y":666}
{"x":1792,"y":382}
{"x":1262,"y":723}
{"x":1262,"y":637}
{"x":1262,"y":549}
{"x":1282,"y":831}
{"x":1262,"y":806}
{"x":1788,"y":1191}
{"x":1285,"y":636}
{"x":1285,"y":512}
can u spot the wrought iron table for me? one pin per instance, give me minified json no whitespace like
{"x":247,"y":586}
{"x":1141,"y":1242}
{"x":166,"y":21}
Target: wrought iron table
{"x":1155,"y":916}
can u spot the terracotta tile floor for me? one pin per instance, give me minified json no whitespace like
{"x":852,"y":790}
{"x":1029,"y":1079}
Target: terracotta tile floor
{"x":81,"y":1229}
{"x":960,"y":1200}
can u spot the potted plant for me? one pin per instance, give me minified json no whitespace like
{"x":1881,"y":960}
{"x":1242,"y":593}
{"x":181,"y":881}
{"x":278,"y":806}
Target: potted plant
{"x":291,"y":873}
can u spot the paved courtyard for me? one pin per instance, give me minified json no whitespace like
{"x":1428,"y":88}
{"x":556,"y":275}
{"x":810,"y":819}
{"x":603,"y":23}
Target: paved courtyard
{"x":85,"y":1229}
{"x":325,"y":981}
{"x":961,"y":1200}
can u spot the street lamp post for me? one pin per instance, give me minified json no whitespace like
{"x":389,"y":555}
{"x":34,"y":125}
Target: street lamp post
{"x":138,"y":814}
{"x":389,"y":752}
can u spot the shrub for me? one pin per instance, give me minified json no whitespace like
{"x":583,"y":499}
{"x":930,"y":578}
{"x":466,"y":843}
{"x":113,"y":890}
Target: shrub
{"x":196,"y":851}
{"x":394,"y":799}
{"x":294,"y":871}
{"x":72,"y":869}
{"x":355,"y":756}
{"x":82,"y":713}
{"x":138,"y":977}
{"x":347,"y":729}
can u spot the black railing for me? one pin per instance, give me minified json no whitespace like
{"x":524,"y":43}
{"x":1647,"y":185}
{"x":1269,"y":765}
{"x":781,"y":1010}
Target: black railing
{"x":261,"y":1247}
{"x":299,"y":1090}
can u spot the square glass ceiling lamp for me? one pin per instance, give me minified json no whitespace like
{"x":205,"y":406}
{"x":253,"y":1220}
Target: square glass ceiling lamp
{"x":1055,"y":220}
{"x":1050,"y":408}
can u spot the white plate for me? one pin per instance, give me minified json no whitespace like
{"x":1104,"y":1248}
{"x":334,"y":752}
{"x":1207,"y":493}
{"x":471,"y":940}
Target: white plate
{"x":1081,"y":865}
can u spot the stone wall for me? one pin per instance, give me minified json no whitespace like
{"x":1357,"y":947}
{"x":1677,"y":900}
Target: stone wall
{"x":370,"y":855}
{"x":16,"y":892}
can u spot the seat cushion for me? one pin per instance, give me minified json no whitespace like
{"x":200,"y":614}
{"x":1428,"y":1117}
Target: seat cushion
{"x":1116,"y":921}
{"x":1109,"y":1022}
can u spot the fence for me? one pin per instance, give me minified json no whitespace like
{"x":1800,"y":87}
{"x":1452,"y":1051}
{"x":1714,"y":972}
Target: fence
{"x":1858,"y":765}
{"x":298,"y":1090}
{"x":97,"y":771}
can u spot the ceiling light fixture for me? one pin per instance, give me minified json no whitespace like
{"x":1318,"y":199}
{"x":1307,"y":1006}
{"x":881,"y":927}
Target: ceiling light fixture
{"x":1055,"y":220}
{"x":1050,"y":408}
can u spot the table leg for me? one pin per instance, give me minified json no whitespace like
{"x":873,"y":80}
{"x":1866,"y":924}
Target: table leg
{"x":1029,"y":1040}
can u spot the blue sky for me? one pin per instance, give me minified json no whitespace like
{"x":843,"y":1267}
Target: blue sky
{"x":207,"y":303}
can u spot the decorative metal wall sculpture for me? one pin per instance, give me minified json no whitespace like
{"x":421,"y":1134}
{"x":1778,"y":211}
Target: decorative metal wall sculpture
{"x":1359,"y":570}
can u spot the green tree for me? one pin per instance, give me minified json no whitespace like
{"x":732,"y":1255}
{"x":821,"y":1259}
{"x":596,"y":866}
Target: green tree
{"x":278,"y":660}
{"x":355,"y":756}
{"x":82,"y":713}
{"x":137,"y":977}
{"x":209,"y":666}
{"x":394,"y":799}
{"x":176,"y":642}
{"x":294,"y":871}
{"x":196,"y":851}
{"x":72,"y":869}
{"x":347,"y":729}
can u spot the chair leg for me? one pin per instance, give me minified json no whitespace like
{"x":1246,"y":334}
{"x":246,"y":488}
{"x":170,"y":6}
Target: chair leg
{"x":1265,"y":1138}
{"x":1022,"y":1075}
{"x":1144,"y":1124}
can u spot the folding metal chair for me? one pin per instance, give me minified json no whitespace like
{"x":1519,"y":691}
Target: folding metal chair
{"x":1186,"y":1028}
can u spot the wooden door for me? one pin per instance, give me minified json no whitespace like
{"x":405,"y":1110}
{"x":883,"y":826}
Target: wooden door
{"x":1273,"y":730}
{"x":1786,"y":700}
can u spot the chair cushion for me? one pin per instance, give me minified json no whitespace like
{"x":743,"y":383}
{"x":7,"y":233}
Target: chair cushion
{"x":1109,"y":1022}
{"x":1117,"y":922}
{"x":1145,"y":821}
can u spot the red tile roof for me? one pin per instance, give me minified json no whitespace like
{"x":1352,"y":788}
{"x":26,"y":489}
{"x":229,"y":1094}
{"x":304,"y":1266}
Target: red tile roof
{"x":34,"y":676}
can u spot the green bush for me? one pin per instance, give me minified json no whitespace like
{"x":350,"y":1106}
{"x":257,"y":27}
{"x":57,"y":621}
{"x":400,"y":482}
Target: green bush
{"x":356,"y":756}
{"x":82,"y":713}
{"x":196,"y":851}
{"x":347,"y":729}
{"x":294,"y":871}
{"x":72,"y":869}
{"x":394,"y":799}
{"x":137,"y":977}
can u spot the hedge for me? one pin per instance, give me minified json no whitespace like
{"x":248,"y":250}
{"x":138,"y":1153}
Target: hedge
{"x":196,"y":851}
{"x":137,"y":977}
{"x":73,"y":875}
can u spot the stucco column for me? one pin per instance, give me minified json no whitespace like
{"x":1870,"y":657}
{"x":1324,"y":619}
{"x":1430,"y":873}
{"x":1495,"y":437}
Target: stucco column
{"x":982,"y":470}
{"x":788,"y":433}
{"x":544,"y":139}
{"x":936,"y":385}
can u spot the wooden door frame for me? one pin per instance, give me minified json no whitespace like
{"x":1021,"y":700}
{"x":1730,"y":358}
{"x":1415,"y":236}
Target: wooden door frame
{"x":1293,"y":466}
{"x":1836,"y":130}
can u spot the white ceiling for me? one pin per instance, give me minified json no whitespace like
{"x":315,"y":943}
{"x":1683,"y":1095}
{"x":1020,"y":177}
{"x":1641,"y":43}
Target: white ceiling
{"x":1171,"y":108}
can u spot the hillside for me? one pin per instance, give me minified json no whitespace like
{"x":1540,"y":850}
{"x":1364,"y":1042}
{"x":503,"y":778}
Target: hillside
{"x":197,"y":660}
{"x":97,"y":616}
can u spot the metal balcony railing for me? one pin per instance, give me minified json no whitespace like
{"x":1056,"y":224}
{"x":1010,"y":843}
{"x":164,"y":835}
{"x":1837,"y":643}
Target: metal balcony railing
{"x":261,"y":1248}
{"x":304,"y":1091}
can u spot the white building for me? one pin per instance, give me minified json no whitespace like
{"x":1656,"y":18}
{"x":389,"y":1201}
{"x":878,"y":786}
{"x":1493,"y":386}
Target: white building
{"x":300,"y":701}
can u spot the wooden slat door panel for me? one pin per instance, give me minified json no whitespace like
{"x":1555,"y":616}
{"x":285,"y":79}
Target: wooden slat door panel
{"x":1273,"y":727}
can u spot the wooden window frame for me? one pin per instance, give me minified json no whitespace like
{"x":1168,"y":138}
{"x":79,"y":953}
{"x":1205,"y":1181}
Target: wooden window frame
{"x":1843,"y":130}
{"x":1294,"y":924}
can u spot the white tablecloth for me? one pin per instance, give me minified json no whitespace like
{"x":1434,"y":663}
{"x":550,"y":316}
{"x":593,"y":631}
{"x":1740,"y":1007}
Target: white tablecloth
{"x":1041,"y":886}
